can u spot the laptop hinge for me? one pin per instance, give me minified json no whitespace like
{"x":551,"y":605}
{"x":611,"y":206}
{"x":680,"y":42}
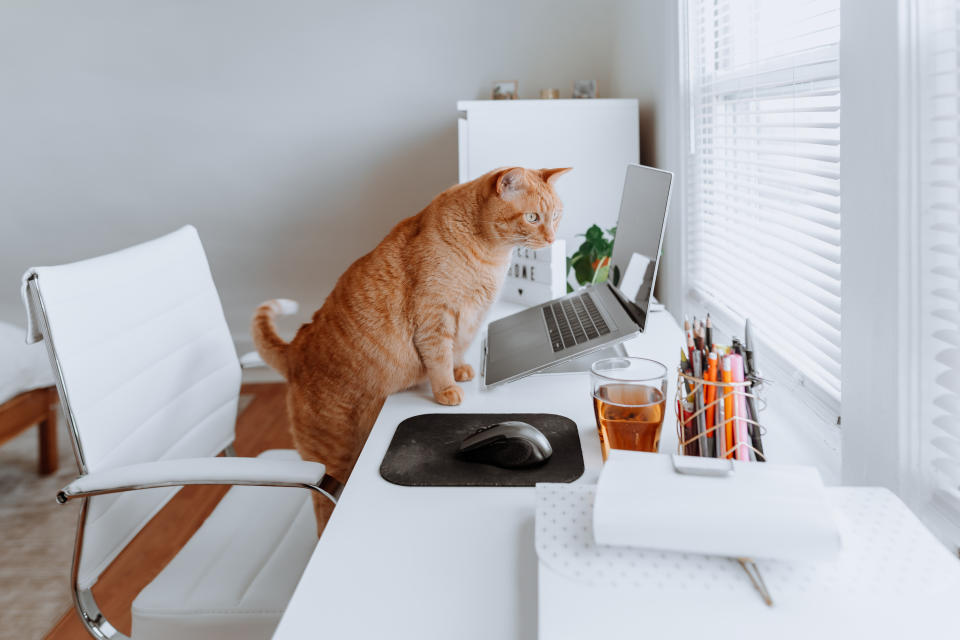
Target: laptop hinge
{"x":635,"y":313}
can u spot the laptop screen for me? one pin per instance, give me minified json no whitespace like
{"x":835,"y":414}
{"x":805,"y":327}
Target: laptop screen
{"x":636,"y":247}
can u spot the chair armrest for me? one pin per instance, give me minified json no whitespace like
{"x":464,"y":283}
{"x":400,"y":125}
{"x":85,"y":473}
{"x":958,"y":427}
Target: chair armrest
{"x":232,"y":471}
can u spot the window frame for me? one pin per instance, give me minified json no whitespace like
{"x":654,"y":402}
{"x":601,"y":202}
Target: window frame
{"x":809,"y":414}
{"x":914,"y":484}
{"x":881,"y":434}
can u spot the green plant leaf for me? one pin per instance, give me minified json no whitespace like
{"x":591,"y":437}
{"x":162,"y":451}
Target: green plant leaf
{"x":601,"y":274}
{"x":594,"y":233}
{"x":569,"y":288}
{"x":583,"y":270}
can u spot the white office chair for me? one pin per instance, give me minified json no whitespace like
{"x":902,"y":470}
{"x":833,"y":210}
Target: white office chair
{"x":148,"y":380}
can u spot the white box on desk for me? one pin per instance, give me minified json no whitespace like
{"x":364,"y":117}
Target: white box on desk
{"x":536,"y":275}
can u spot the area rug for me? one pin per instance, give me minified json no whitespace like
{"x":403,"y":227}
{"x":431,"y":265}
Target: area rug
{"x":36,"y":536}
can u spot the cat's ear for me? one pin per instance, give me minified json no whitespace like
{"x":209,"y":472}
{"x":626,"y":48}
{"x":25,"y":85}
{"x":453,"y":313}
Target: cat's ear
{"x":549,"y":175}
{"x":511,"y":182}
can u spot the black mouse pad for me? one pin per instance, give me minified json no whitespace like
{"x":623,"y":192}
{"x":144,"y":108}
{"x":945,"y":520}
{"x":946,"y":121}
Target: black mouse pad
{"x":423,"y":452}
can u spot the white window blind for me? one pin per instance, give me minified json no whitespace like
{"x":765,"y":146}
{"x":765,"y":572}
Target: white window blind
{"x":763,"y":214}
{"x":938,"y":74}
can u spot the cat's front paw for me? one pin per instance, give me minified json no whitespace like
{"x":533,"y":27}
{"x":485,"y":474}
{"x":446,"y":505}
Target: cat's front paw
{"x":452,"y":395}
{"x":462,"y":373}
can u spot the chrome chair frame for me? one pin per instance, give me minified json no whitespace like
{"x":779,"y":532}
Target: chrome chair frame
{"x":84,"y":602}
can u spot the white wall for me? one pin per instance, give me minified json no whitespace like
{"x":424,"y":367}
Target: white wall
{"x":648,"y":68}
{"x":293,"y":134}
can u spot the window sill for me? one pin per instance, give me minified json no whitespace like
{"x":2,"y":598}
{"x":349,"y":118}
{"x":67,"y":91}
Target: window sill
{"x":800,"y":427}
{"x":798,"y":435}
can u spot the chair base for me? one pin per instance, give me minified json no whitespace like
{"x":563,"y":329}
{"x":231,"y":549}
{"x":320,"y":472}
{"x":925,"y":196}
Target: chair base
{"x":92,"y":619}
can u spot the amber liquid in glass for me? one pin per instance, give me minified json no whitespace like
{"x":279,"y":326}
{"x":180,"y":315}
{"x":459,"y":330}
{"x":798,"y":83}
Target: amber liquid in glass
{"x":629,"y":416}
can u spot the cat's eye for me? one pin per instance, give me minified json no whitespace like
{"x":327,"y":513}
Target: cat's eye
{"x":532,"y":217}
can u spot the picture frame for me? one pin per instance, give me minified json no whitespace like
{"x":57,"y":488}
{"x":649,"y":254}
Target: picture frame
{"x":584,"y":89}
{"x":505,"y":90}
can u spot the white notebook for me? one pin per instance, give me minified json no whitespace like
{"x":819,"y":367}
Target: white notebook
{"x":892,"y":579}
{"x":714,"y":507}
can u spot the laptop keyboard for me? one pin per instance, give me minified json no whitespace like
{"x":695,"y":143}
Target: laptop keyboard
{"x":573,"y":321}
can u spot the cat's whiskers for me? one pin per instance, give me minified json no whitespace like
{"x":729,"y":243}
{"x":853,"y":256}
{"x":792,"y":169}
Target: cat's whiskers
{"x":521,"y":240}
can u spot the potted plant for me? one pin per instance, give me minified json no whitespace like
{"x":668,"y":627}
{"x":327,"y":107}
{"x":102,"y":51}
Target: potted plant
{"x":591,"y":261}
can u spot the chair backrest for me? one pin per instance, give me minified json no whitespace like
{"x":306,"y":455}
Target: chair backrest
{"x":146,"y":370}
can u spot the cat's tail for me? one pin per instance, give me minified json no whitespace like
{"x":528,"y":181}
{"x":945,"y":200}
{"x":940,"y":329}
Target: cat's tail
{"x":271,"y":346}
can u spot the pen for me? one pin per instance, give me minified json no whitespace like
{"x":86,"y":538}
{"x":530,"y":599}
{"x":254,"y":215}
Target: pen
{"x":753,"y":429}
{"x":689,"y":430}
{"x":721,"y":430}
{"x":702,"y":443}
{"x":751,"y":363}
{"x":690,"y":348}
{"x":728,"y":407}
{"x":753,"y":376}
{"x":685,"y":367}
{"x":710,"y":401}
{"x":739,"y":409}
{"x":709,"y":332}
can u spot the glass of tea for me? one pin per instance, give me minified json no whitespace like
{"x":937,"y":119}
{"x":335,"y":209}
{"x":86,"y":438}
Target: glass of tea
{"x":629,"y":399}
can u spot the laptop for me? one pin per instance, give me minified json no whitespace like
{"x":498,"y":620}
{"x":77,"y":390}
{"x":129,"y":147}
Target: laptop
{"x":598,"y":315}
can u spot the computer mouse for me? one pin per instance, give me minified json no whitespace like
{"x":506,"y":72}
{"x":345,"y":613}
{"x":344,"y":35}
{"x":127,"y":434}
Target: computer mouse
{"x":510,"y":445}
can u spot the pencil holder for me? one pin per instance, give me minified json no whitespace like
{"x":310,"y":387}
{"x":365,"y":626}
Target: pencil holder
{"x":714,"y":419}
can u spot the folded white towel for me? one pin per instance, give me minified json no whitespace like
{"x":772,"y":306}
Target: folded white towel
{"x":760,"y":510}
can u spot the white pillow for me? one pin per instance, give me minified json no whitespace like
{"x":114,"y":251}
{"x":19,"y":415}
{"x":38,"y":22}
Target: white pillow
{"x":22,"y":366}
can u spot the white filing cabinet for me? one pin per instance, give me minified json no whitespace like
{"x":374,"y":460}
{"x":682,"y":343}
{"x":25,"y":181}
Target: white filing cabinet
{"x":597,"y":137}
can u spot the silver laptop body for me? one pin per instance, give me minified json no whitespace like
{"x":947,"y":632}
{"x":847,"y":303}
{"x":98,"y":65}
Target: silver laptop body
{"x":598,"y":315}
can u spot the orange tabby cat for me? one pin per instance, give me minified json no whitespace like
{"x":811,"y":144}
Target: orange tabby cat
{"x":404,"y":312}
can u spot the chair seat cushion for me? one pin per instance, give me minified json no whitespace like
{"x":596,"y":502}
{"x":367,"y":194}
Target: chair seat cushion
{"x":22,"y":366}
{"x":234,"y":577}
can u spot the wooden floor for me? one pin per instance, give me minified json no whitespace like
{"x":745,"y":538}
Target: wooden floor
{"x":262,"y":426}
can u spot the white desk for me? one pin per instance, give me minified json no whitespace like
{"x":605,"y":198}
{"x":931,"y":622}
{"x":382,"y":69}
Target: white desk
{"x":448,"y":562}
